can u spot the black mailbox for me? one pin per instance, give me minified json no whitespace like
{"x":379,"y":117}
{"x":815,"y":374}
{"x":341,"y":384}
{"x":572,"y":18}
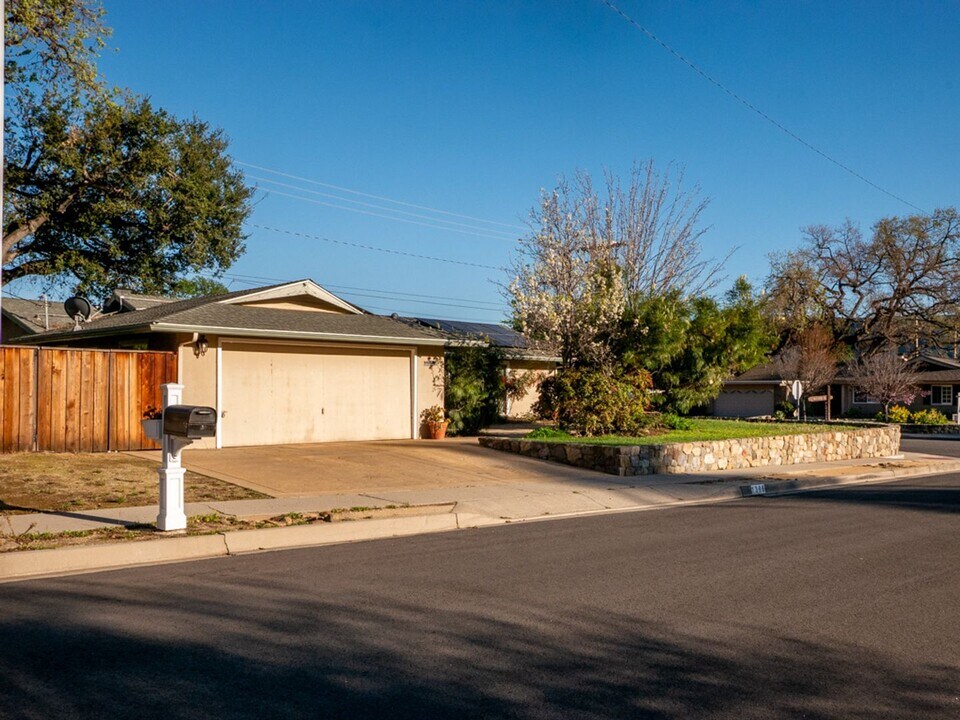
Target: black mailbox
{"x":189,"y":421}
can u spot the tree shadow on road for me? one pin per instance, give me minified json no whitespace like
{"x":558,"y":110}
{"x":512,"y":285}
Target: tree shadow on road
{"x":214,"y":647}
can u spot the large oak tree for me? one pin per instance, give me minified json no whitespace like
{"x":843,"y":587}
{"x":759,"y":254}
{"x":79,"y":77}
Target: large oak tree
{"x":897,"y":285}
{"x":101,"y":188}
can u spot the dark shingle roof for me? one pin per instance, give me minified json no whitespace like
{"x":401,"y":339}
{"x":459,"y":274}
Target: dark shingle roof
{"x":210,"y":313}
{"x":29,"y":314}
{"x":766,"y":372}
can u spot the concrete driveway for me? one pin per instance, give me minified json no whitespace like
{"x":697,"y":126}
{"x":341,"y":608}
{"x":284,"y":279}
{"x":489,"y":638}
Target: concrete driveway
{"x":388,"y":465}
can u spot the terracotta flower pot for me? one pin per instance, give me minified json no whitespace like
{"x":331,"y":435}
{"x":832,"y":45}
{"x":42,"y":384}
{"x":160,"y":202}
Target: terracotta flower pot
{"x":436,"y":430}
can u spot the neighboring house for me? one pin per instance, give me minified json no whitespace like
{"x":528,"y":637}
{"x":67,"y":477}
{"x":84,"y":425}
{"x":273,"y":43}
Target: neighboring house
{"x":287,"y":363}
{"x":22,"y":318}
{"x":756,"y":391}
{"x":522,"y":358}
{"x":939,"y":380}
{"x":752,"y":393}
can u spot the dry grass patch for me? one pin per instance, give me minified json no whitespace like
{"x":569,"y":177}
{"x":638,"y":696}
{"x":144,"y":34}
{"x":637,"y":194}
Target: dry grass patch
{"x":59,"y":482}
{"x":210,"y":524}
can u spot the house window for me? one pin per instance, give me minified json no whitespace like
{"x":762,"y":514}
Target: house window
{"x":861,"y":398}
{"x":941,"y":395}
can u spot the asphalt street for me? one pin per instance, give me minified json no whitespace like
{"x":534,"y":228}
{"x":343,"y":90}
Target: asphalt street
{"x":841,"y":603}
{"x":933,"y":445}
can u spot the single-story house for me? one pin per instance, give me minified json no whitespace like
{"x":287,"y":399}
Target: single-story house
{"x":937,"y":376}
{"x":286,"y":363}
{"x":757,"y":391}
{"x":522,"y":358}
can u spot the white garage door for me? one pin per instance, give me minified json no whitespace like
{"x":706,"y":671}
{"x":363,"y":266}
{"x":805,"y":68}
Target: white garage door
{"x":277,"y":394}
{"x":744,"y":403}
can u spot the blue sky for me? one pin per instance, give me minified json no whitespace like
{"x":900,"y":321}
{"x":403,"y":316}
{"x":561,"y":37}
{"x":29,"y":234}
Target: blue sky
{"x":472,"y":107}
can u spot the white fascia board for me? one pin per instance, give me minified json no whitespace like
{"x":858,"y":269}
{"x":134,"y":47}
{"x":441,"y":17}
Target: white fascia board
{"x":294,"y":335}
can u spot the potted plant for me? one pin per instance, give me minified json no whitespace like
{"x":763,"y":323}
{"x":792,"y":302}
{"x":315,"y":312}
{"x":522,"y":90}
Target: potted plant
{"x":152,"y":423}
{"x":434,"y":423}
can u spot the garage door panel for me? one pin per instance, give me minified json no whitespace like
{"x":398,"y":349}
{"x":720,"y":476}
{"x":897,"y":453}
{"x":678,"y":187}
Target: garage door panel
{"x":292,"y":394}
{"x":744,"y":403}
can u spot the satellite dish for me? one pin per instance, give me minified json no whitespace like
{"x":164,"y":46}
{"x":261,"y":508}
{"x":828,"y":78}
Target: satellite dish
{"x":78,"y":308}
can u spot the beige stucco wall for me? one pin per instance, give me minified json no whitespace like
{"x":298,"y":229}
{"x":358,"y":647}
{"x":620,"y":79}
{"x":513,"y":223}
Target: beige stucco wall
{"x":303,"y":303}
{"x":429,"y":379}
{"x":523,"y":407}
{"x":198,"y":375}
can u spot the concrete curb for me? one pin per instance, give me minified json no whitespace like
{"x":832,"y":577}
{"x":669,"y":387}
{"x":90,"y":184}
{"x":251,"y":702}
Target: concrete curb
{"x":20,"y":565}
{"x":25,"y":565}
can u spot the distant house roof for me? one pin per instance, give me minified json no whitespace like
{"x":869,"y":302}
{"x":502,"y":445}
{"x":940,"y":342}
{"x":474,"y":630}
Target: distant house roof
{"x":220,"y":314}
{"x":35,"y":316}
{"x":930,"y":370}
{"x":768,"y":372}
{"x":125,"y":299}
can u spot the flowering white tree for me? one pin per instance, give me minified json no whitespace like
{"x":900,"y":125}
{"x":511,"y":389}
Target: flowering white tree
{"x":589,"y":256}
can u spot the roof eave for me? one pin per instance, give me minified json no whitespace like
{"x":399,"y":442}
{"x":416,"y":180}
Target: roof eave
{"x":43,"y":338}
{"x":295,"y":335}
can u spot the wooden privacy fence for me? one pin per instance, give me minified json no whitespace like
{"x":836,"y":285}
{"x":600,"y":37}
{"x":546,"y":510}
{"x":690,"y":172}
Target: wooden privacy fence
{"x":72,"y":400}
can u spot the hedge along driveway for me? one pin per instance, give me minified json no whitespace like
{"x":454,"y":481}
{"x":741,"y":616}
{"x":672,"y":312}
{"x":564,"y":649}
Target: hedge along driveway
{"x":828,"y":443}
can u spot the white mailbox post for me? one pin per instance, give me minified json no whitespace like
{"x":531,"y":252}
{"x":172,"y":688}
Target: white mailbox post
{"x":171,"y":516}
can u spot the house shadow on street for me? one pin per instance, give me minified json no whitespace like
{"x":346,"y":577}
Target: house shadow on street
{"x":222,"y":646}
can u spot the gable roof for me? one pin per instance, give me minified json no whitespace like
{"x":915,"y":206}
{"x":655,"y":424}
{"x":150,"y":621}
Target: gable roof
{"x":219,"y":314}
{"x":298,"y":288}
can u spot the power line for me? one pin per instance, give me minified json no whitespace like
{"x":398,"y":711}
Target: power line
{"x":405,"y":311}
{"x":380,"y":197}
{"x":374,"y":248}
{"x":378,"y":296}
{"x":746,"y":103}
{"x":388,"y":217}
{"x":495,"y":305}
{"x":486,"y":231}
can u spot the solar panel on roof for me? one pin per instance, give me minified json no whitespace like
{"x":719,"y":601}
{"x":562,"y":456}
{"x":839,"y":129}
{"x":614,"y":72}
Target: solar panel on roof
{"x":498,"y":334}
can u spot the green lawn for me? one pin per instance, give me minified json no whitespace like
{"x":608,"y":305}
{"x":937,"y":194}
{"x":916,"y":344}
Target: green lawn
{"x":702,"y":430}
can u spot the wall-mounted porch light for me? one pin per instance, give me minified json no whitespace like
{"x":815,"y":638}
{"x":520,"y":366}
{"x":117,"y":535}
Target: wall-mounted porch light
{"x":201,"y":346}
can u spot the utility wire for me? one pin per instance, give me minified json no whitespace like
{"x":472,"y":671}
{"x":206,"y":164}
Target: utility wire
{"x":380,"y":197}
{"x":746,"y":103}
{"x":374,"y":248}
{"x":388,"y":217}
{"x":477,"y":230}
{"x":261,"y":278}
{"x":377,"y":296}
{"x":404,"y":311}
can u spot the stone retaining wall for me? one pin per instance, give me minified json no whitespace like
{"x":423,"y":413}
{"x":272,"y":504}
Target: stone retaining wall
{"x":862,"y":442}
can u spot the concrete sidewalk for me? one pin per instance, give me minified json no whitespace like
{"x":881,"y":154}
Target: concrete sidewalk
{"x":499,"y":501}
